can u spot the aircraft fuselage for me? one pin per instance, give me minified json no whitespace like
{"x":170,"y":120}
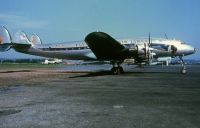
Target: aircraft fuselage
{"x":79,"y":50}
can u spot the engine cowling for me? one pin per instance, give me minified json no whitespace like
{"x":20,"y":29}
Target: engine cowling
{"x":144,"y":53}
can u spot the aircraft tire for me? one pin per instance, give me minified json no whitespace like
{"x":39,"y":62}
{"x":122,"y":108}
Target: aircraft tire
{"x":121,"y":70}
{"x":183,"y":70}
{"x":117,"y":70}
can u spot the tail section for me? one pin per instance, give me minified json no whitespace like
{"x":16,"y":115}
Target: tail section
{"x":20,"y":42}
{"x":5,"y":39}
{"x":22,"y":38}
{"x":35,"y":39}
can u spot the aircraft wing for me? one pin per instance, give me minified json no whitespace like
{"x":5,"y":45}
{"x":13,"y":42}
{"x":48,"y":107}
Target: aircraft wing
{"x":105,"y":47}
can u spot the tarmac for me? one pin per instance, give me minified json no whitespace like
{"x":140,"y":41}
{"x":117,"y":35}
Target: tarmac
{"x":88,"y":96}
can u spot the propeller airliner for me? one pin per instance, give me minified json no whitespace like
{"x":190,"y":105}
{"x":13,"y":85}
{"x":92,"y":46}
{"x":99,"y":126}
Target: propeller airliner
{"x":100,"y":46}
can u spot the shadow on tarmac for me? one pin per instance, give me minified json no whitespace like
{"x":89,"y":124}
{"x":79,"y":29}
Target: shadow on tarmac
{"x":16,"y":71}
{"x":107,"y":73}
{"x":9,"y":112}
{"x":93,"y":74}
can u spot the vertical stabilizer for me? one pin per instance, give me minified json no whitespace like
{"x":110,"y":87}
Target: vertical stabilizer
{"x":5,"y":39}
{"x":21,"y":37}
{"x":35,"y":39}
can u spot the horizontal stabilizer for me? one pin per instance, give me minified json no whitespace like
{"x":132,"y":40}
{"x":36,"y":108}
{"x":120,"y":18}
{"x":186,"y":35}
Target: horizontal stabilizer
{"x":6,"y":42}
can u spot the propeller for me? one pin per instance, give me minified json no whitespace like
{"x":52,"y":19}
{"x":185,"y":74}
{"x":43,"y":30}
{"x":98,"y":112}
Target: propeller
{"x":149,"y":39}
{"x":148,"y":50}
{"x":150,"y":54}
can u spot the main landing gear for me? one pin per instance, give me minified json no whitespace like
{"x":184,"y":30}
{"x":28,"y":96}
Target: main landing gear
{"x":116,"y":69}
{"x":183,"y":69}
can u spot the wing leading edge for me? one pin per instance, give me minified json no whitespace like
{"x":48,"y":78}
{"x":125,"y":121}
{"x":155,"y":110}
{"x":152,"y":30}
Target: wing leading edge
{"x":105,"y":47}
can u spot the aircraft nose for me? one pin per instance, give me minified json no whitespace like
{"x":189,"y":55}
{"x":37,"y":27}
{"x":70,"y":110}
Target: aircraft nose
{"x":186,"y":49}
{"x":194,"y":50}
{"x":190,"y":49}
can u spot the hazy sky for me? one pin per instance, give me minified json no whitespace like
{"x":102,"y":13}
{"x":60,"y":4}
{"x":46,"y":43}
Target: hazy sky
{"x":68,"y":20}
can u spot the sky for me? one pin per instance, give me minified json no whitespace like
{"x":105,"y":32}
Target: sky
{"x":70,"y":20}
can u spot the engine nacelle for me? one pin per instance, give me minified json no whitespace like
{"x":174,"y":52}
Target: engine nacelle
{"x":143,"y":53}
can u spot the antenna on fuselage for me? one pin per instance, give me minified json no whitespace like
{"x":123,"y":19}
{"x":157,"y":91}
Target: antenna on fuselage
{"x":149,"y":44}
{"x":149,"y":39}
{"x":166,"y":36}
{"x":149,"y":53}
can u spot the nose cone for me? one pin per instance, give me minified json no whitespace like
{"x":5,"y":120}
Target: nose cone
{"x":188,"y":50}
{"x":194,"y":50}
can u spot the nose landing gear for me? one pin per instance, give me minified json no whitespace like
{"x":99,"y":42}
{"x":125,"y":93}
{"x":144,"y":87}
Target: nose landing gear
{"x":183,"y":69}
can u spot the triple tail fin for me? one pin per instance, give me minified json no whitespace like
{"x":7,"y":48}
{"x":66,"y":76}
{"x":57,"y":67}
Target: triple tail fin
{"x":20,"y":40}
{"x":21,"y":37}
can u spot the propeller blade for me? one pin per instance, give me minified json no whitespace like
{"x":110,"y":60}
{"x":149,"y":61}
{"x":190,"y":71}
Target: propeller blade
{"x":149,"y":38}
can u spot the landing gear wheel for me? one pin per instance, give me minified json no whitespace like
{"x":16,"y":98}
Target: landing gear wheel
{"x":183,"y":70}
{"x":113,"y":69}
{"x":121,"y":70}
{"x":117,"y":70}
